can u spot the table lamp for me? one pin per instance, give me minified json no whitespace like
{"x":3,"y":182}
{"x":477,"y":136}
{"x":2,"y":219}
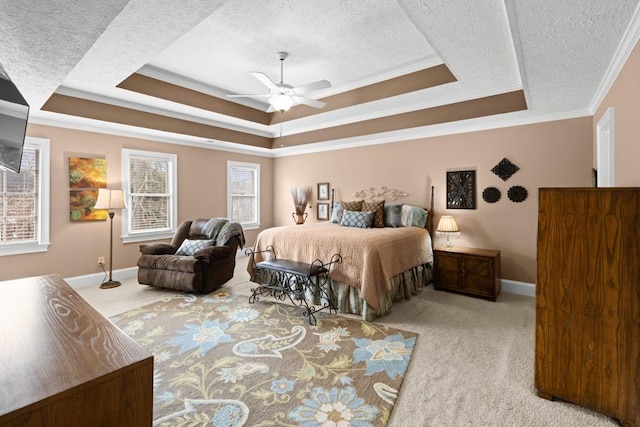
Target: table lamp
{"x":448,"y":227}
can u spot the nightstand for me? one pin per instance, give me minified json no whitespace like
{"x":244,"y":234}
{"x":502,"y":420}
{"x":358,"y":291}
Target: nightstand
{"x":468,"y":271}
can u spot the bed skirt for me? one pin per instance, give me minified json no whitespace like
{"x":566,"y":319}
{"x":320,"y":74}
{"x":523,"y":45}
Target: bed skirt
{"x":347,"y":298}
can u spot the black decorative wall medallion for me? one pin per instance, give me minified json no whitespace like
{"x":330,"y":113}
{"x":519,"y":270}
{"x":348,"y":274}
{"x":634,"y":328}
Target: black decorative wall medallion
{"x":517,"y":194}
{"x":491,"y":195}
{"x":461,"y":190}
{"x":505,"y":169}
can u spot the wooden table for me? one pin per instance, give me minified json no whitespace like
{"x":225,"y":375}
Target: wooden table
{"x":63,"y":364}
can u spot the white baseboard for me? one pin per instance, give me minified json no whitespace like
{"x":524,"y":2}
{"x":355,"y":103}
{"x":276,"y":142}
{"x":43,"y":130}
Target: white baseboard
{"x":97,"y":278}
{"x":519,"y":288}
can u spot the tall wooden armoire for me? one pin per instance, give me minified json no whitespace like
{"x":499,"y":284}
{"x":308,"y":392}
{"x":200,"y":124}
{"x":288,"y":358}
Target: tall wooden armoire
{"x":588,"y":299}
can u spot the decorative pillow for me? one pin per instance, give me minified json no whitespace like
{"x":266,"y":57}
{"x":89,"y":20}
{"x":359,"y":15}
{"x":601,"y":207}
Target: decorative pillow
{"x":395,"y":216}
{"x":378,"y":216}
{"x":357,"y":219}
{"x":418,"y":217}
{"x":388,"y":214}
{"x":406,"y":215}
{"x":336,"y":212}
{"x":355,"y":206}
{"x":190,"y":247}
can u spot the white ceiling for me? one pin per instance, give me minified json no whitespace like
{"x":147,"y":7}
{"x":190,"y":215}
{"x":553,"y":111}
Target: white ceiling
{"x":557,"y":51}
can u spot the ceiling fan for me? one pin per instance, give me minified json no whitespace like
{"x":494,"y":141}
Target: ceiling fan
{"x":282,"y":96}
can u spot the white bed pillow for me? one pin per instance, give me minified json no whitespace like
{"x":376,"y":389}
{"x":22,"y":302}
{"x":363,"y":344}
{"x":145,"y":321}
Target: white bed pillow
{"x":406,"y":217}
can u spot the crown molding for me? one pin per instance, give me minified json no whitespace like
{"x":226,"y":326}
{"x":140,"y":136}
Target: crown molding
{"x":465,"y":126}
{"x":518,"y":118}
{"x":235,"y":124}
{"x":186,"y":82}
{"x":47,"y":118}
{"x":189,"y":83}
{"x":313,"y":123}
{"x":626,"y":46}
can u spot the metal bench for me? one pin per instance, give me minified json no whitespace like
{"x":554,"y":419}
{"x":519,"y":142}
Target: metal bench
{"x":282,"y":278}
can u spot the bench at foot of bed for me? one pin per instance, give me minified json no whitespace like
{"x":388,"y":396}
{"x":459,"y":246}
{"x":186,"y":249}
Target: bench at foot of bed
{"x":283,"y":278}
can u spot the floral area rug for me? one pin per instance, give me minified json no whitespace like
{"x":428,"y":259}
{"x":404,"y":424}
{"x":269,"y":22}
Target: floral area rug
{"x":221,"y":361}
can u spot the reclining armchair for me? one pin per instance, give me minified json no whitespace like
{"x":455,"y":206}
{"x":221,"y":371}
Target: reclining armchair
{"x":200,"y":258}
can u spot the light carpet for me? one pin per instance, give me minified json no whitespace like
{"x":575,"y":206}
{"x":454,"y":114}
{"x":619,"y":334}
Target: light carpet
{"x":221,"y":361}
{"x":472,"y":364}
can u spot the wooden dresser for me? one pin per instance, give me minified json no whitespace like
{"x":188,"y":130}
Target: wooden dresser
{"x":588,"y":299}
{"x":63,"y":364}
{"x":469,"y":271}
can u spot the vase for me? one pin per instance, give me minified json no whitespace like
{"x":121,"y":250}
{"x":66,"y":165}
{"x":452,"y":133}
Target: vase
{"x":299,"y":218}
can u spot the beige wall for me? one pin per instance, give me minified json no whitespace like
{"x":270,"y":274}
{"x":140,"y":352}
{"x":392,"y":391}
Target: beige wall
{"x":624,"y":96}
{"x":553,"y":154}
{"x":75,"y":246}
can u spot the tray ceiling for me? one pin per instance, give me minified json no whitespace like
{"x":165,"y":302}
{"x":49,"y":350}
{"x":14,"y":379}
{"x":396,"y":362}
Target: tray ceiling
{"x":398,"y":69}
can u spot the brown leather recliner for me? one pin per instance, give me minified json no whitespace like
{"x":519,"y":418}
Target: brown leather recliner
{"x":200,"y":258}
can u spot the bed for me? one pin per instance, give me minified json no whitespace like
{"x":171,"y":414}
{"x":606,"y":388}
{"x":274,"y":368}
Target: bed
{"x":379,"y":265}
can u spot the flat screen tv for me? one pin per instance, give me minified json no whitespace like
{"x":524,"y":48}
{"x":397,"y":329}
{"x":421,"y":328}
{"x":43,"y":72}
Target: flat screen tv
{"x":14,"y":112}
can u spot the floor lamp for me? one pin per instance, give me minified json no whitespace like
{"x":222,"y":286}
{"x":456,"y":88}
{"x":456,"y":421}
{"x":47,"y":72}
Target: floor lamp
{"x":111,"y":200}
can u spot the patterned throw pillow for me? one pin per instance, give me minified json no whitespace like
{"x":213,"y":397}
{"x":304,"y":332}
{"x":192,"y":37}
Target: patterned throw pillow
{"x":357,"y":219}
{"x":336,"y":212}
{"x":378,"y":208}
{"x":355,"y":206}
{"x":190,"y":247}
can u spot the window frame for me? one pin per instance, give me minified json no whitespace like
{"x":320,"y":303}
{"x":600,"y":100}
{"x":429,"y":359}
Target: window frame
{"x":255,"y":167}
{"x":43,"y":208}
{"x":139,"y":236}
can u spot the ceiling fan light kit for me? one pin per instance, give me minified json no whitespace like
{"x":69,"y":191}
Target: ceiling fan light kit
{"x":281,"y":103}
{"x":282,"y":96}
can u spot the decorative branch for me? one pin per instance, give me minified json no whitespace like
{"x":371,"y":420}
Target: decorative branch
{"x":301,"y":197}
{"x":386,"y":193}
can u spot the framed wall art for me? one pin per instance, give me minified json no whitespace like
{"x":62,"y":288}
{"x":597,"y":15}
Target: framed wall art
{"x":322,"y":211}
{"x":461,"y":190}
{"x":86,"y":176}
{"x":323,"y":191}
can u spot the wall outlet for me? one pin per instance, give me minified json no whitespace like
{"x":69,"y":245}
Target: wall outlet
{"x":101,"y":260}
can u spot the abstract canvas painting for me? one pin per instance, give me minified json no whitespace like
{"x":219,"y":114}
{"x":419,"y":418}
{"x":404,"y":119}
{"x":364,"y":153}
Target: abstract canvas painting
{"x":86,"y":176}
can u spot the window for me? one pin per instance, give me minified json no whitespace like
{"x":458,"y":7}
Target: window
{"x":149,"y":180}
{"x":243,"y":193}
{"x":24,"y":202}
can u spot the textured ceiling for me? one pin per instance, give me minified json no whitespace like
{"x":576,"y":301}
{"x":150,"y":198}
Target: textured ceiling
{"x":556,"y":52}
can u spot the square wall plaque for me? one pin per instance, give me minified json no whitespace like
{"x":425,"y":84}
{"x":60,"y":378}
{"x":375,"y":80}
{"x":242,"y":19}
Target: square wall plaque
{"x":461,"y":190}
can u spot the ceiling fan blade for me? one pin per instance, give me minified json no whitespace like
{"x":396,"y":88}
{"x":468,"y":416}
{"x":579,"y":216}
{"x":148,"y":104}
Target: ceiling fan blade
{"x":259,"y":95}
{"x":320,"y":84}
{"x":309,"y":101}
{"x":265,"y":80}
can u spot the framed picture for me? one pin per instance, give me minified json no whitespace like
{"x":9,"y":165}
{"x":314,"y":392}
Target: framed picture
{"x":323,"y":211}
{"x":323,"y":191}
{"x":86,"y":176}
{"x":461,"y":190}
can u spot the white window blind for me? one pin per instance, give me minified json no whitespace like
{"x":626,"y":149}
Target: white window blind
{"x":24,"y":201}
{"x":150,"y":186}
{"x":243,"y":184}
{"x":19,"y":200}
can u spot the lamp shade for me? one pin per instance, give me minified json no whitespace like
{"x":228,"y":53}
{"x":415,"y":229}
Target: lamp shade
{"x":281,"y":103}
{"x":447,"y":225}
{"x":110,"y":199}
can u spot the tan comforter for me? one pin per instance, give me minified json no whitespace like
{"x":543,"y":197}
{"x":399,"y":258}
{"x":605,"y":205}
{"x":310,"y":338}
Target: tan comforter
{"x":370,"y":257}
